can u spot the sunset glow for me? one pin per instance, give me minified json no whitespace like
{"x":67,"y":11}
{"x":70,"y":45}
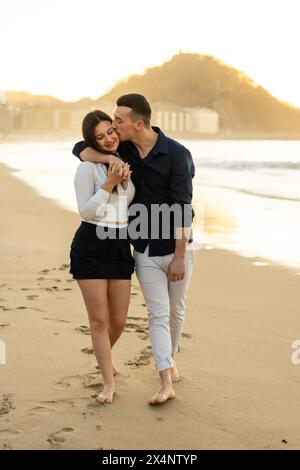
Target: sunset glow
{"x":75,"y":49}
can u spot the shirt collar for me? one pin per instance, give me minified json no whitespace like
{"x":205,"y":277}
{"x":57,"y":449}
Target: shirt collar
{"x":161,"y":145}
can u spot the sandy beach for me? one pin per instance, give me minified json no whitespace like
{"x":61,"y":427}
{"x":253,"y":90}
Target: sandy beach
{"x":240,"y":388}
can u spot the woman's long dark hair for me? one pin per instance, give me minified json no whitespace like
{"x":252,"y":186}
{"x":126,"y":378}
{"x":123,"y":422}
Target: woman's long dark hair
{"x":90,"y":121}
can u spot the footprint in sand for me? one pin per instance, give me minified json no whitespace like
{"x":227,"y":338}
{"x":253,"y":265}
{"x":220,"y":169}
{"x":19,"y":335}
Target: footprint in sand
{"x":59,"y":437}
{"x":91,"y":381}
{"x":48,"y":279}
{"x":6,"y":404}
{"x":83,"y":329}
{"x":6,"y":446}
{"x":66,"y":382}
{"x":63,"y":267}
{"x":56,"y":319}
{"x":32,"y":297}
{"x":143,"y":359}
{"x":140,"y":326}
{"x":87,"y":350}
{"x":44,"y":271}
{"x":50,"y":289}
{"x":8,"y":432}
{"x":4,"y":325}
{"x":186,"y":335}
{"x":42,"y":410}
{"x":29,"y":308}
{"x":54,"y":406}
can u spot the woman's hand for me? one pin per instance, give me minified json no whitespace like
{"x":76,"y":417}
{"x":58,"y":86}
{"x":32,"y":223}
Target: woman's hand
{"x":114,"y":177}
{"x":115,"y":173}
{"x":126,"y":175}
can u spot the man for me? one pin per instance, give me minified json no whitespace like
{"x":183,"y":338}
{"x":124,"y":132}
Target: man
{"x":162,"y":172}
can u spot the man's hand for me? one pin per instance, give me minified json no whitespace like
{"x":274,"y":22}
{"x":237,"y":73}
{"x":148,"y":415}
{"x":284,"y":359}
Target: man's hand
{"x":112,"y":159}
{"x":176,"y":269}
{"x":91,"y":155}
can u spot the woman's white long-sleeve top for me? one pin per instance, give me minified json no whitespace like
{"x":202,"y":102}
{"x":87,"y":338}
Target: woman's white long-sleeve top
{"x":96,"y":205}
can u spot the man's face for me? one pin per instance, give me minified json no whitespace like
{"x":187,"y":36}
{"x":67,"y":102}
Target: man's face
{"x":122,"y":123}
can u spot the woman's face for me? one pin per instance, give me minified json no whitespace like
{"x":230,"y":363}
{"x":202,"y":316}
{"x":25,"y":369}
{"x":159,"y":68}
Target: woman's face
{"x":106,"y":137}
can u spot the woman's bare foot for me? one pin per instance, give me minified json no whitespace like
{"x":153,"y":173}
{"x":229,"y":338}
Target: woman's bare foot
{"x":166,"y":393}
{"x":175,"y":377}
{"x":115,"y":371}
{"x":107,"y":395}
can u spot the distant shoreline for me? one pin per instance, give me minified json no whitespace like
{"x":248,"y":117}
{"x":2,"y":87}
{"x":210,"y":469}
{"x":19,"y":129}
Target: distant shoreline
{"x":65,"y":136}
{"x":223,"y":135}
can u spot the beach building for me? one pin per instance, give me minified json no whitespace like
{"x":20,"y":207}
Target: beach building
{"x":179,"y":119}
{"x":173,"y":119}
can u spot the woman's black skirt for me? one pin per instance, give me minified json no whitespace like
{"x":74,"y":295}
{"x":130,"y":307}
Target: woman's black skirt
{"x":107,"y":257}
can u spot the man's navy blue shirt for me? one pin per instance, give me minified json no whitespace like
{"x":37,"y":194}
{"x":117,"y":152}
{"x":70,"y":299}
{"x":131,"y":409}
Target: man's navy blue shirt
{"x":164,"y":176}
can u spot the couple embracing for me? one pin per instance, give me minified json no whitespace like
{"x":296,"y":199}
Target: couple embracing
{"x":128,"y":168}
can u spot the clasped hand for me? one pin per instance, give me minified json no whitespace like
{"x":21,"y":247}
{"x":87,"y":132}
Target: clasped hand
{"x":119,"y":172}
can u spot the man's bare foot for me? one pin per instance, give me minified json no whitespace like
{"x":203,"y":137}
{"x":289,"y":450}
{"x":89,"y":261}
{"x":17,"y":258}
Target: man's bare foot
{"x":107,"y":395}
{"x":175,"y":377}
{"x":166,"y":393}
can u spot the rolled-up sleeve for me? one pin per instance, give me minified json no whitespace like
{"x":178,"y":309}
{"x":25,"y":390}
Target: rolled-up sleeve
{"x":90,"y":204}
{"x":78,"y":148}
{"x":181,"y":185}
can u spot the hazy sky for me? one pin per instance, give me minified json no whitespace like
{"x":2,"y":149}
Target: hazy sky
{"x":76,"y":48}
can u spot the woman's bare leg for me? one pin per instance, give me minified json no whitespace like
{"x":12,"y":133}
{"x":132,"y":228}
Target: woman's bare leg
{"x":94,"y":292}
{"x":118,"y":302}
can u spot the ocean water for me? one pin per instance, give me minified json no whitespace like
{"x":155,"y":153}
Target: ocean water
{"x":246,"y":193}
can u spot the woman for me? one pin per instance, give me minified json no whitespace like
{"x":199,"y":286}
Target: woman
{"x":101,"y":259}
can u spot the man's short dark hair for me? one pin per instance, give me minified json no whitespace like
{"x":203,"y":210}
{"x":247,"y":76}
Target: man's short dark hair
{"x":140,"y":107}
